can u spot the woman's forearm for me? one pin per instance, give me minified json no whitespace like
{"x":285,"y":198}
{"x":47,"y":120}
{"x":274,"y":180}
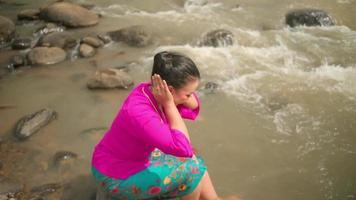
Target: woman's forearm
{"x":175,"y":119}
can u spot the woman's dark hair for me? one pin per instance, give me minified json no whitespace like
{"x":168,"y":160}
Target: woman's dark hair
{"x":176,"y":69}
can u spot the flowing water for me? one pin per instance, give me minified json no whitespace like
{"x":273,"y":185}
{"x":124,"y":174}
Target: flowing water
{"x":281,"y":124}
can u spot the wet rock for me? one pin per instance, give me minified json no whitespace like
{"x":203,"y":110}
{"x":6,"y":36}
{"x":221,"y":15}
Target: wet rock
{"x":7,"y":31}
{"x":9,"y":186}
{"x":21,"y":43}
{"x":135,"y":36}
{"x":28,"y":14}
{"x":94,"y":42}
{"x":210,"y":87}
{"x":104,"y":38}
{"x":18,"y":61}
{"x":217,"y":38}
{"x":64,"y":158}
{"x":46,"y":55}
{"x":308,"y":17}
{"x":110,"y":78}
{"x":30,"y":124}
{"x":86,"y":51}
{"x":59,"y":39}
{"x":69,"y":14}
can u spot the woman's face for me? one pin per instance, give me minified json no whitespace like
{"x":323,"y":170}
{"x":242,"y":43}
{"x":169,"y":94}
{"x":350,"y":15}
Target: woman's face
{"x":181,"y":95}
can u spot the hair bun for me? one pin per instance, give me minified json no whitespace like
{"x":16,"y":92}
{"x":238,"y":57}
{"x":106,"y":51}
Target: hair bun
{"x":166,"y":58}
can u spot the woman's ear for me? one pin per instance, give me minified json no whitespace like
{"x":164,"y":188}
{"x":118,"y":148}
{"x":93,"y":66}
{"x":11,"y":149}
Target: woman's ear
{"x":171,"y":88}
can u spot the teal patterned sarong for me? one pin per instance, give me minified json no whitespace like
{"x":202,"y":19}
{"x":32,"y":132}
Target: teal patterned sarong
{"x":167,"y":177}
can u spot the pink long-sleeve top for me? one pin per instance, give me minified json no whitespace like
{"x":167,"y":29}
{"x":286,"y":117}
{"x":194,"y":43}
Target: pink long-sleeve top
{"x":136,"y":131}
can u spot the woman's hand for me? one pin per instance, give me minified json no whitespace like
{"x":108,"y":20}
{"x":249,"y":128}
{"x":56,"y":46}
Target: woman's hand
{"x":161,"y":91}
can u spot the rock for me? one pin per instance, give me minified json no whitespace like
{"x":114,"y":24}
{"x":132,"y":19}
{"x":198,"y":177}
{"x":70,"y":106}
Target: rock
{"x":9,"y":186}
{"x":18,"y":61}
{"x":64,"y":159}
{"x":69,"y":14}
{"x":110,"y":78}
{"x":46,"y":55}
{"x":309,"y":17}
{"x":28,"y":14}
{"x":94,"y":42}
{"x":105,"y":38}
{"x":7,"y":30}
{"x":30,"y":124}
{"x":86,"y":51}
{"x":21,"y":43}
{"x":217,"y":38}
{"x":210,"y":87}
{"x":59,"y":39}
{"x":135,"y":36}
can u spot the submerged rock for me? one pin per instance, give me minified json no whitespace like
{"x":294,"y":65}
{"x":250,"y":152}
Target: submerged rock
{"x":86,"y":51}
{"x":58,"y":39}
{"x":135,"y":36}
{"x":7,"y":30}
{"x":28,"y":14}
{"x":308,"y":17}
{"x":30,"y":124}
{"x":69,"y":14}
{"x":64,"y":158}
{"x":210,"y":87}
{"x":110,"y":78}
{"x":21,"y":43}
{"x":217,"y":38}
{"x":46,"y":55}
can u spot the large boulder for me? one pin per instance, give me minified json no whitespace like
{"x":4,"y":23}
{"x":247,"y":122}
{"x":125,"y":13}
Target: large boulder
{"x":32,"y":123}
{"x":308,"y":17}
{"x":69,"y":14}
{"x":58,"y":39}
{"x":110,"y":78}
{"x":7,"y":30}
{"x":46,"y":55}
{"x":136,"y":36}
{"x":217,"y":38}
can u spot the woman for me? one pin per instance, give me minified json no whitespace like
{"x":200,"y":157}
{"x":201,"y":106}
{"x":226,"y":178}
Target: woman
{"x":147,"y":153}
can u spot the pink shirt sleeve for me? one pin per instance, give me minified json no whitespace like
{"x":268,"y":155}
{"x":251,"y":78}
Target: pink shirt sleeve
{"x":189,"y":113}
{"x":152,"y":130}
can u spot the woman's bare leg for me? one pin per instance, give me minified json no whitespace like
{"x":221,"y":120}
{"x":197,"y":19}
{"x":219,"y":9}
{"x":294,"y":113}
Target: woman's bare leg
{"x":204,"y":191}
{"x":207,"y":191}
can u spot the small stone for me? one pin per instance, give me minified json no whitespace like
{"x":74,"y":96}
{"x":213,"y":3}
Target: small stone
{"x":30,"y":124}
{"x":105,"y":38}
{"x":94,"y":42}
{"x":86,"y":51}
{"x":46,"y":55}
